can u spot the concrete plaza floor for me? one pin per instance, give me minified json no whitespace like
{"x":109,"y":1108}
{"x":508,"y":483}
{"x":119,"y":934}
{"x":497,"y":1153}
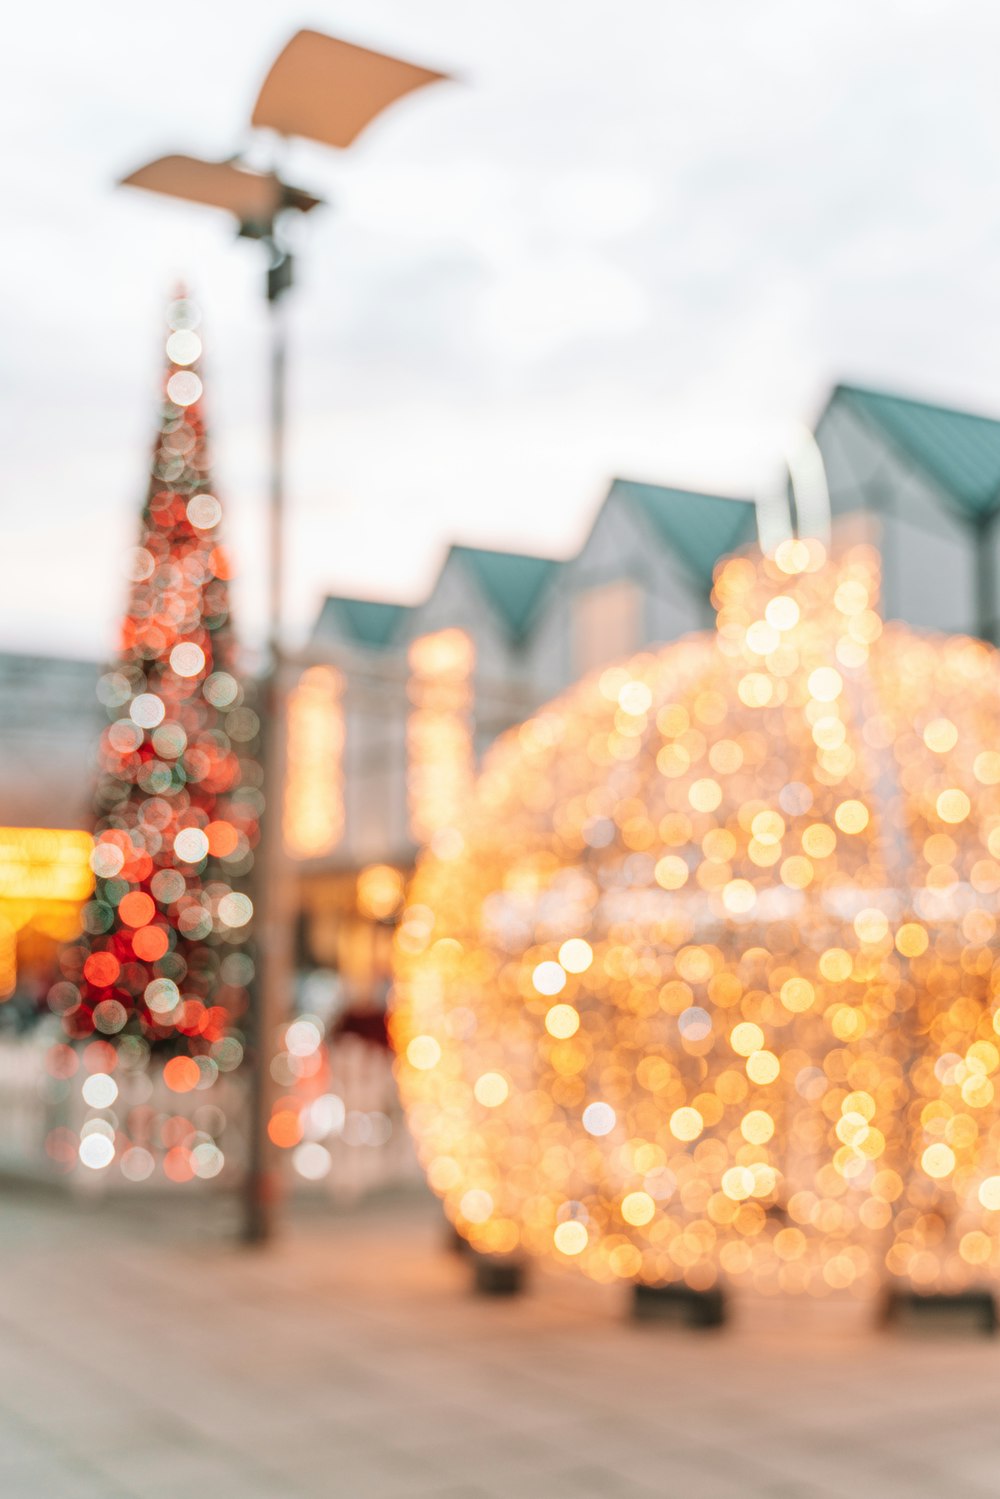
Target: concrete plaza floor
{"x":142,"y":1357}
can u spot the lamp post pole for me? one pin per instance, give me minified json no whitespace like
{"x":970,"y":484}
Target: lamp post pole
{"x":279,"y":282}
{"x":272,"y":987}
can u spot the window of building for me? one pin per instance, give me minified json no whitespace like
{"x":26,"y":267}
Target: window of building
{"x":606,"y":625}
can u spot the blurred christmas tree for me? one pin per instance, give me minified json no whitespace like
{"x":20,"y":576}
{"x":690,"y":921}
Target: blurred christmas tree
{"x":162,"y":964}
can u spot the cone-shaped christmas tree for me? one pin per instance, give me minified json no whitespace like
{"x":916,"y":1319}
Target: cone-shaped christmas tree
{"x":161,"y":965}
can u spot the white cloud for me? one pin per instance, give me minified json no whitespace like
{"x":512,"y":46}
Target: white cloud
{"x":636,"y":238}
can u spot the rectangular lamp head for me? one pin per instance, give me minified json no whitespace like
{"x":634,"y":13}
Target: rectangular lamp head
{"x":328,"y":90}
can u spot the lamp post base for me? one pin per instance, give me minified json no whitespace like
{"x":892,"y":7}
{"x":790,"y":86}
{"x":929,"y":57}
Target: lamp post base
{"x":678,"y":1305}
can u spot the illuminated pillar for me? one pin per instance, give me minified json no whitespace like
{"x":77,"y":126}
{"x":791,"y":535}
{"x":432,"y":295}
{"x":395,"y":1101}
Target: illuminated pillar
{"x":440,"y":755}
{"x":314,"y":788}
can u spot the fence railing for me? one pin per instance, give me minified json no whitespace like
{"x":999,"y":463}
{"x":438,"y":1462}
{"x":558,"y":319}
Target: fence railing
{"x":361,"y":1127}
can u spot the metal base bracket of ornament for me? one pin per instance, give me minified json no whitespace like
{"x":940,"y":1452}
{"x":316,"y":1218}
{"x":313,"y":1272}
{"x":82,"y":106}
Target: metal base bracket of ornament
{"x":959,"y":1312}
{"x":679,"y":1306}
{"x":455,"y":1243}
{"x":497,"y":1275}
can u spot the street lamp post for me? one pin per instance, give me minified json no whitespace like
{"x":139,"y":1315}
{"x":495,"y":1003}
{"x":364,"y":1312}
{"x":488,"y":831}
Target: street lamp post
{"x":326,"y":90}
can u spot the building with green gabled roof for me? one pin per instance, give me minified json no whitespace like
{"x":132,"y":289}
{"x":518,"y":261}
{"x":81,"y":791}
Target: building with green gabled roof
{"x":514,"y":583}
{"x":642,"y":576}
{"x":512,"y":586}
{"x":699,"y":529}
{"x":957,"y":451}
{"x":369,"y":623}
{"x":923,"y":481}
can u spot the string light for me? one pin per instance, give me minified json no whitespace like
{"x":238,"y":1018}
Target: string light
{"x":722,"y":922}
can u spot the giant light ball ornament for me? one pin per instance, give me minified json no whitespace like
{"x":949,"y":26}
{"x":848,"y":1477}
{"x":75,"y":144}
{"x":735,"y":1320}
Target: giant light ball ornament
{"x":707,"y":983}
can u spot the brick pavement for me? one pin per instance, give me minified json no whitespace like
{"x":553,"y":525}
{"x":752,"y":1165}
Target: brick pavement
{"x":141,"y":1357}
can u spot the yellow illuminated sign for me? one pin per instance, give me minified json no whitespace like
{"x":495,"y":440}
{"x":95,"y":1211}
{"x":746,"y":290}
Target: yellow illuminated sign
{"x":45,"y":875}
{"x":42,"y":864}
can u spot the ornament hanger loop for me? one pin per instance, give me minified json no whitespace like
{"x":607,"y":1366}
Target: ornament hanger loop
{"x":799,"y":502}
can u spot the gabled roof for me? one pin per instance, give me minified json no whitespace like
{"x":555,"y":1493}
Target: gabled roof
{"x":698,"y":528}
{"x":960,"y":452}
{"x":513,"y":582}
{"x":367,"y":621}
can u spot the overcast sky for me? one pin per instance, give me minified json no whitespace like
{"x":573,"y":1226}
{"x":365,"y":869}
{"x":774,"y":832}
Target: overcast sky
{"x":640,"y":237}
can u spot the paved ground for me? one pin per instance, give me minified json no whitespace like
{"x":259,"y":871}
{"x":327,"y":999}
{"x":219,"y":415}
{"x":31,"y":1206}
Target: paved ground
{"x":142,"y":1358}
